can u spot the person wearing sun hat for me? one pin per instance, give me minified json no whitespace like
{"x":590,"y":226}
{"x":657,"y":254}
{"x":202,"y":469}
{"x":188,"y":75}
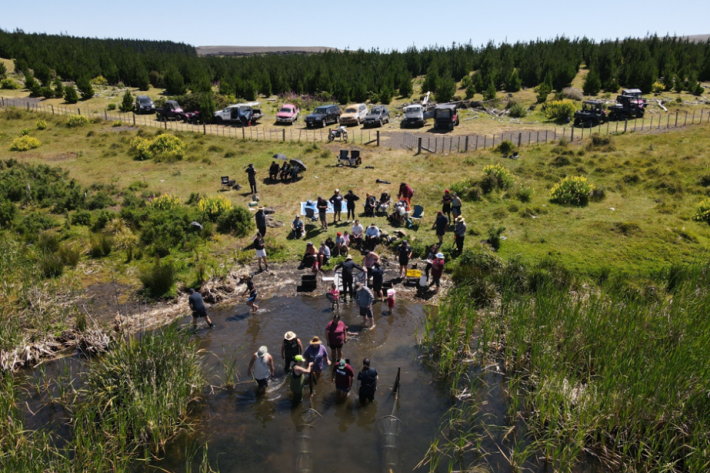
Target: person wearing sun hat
{"x":260,"y":219}
{"x":317,"y":354}
{"x":437,"y":269}
{"x":347,"y":268}
{"x":261,"y":367}
{"x":298,"y":380}
{"x":343,"y":376}
{"x":290,"y":347}
{"x":460,"y":232}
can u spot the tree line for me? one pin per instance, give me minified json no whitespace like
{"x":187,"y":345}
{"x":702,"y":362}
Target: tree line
{"x":360,"y":75}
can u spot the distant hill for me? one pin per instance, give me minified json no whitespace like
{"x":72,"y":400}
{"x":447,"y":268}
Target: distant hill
{"x":698,"y":38}
{"x":256,"y":50}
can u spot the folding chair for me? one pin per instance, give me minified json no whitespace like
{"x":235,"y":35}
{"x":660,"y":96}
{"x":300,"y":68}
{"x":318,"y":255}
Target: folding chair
{"x":355,"y":157}
{"x":227,"y":183}
{"x":417,"y":215}
{"x":343,"y":155}
{"x":311,"y":214}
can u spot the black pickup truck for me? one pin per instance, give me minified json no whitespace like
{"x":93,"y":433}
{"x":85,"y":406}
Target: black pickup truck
{"x":171,"y":110}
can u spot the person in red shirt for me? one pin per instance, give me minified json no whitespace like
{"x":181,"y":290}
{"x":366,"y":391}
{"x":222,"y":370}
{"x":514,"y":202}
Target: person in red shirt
{"x":406,"y":193}
{"x":437,"y":269}
{"x":336,"y":335}
{"x":343,"y":376}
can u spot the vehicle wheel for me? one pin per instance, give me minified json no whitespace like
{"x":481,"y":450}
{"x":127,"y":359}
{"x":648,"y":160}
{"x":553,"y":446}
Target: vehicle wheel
{"x":219,"y":120}
{"x":576,"y":122}
{"x":641,"y":113}
{"x":381,"y":123}
{"x":323,"y":124}
{"x":451,"y":126}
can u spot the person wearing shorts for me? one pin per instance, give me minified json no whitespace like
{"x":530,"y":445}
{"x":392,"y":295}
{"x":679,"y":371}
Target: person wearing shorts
{"x":404,"y":253}
{"x":378,"y":275}
{"x":253,"y":294}
{"x":322,"y":206}
{"x":261,"y":367}
{"x":364,"y":299}
{"x":197,"y":305}
{"x":260,"y":248}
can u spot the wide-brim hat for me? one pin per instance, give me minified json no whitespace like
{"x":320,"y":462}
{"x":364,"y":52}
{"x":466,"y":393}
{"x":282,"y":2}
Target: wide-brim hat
{"x":289,"y":336}
{"x":315,"y":341}
{"x":348,"y":257}
{"x":261,"y":207}
{"x":440,"y":255}
{"x":460,"y":219}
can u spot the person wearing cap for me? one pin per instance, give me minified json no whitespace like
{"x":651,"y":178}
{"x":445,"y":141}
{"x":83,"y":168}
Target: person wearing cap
{"x":460,"y":232}
{"x":446,"y":204}
{"x":350,"y":198}
{"x":322,"y":206}
{"x":251,"y":173}
{"x":310,"y":257}
{"x":347,"y":267}
{"x":197,"y":305}
{"x":441,"y":224}
{"x":290,"y":347}
{"x":356,"y":234}
{"x":372,"y":236}
{"x":274,"y":171}
{"x":343,"y":376}
{"x":336,"y":335}
{"x":260,"y":248}
{"x":260,"y":219}
{"x":298,"y":379}
{"x":341,"y":245}
{"x":437,"y":269}
{"x":365,"y":298}
{"x":297,"y":228}
{"x":455,"y":204}
{"x":252,"y":294}
{"x":337,"y":201}
{"x":378,"y":275}
{"x":404,"y":254}
{"x":317,"y":354}
{"x":367,"y":381}
{"x":261,"y":367}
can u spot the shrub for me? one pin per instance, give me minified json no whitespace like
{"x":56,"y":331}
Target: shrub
{"x":518,"y":110}
{"x":51,"y":265}
{"x":494,"y":236}
{"x":100,"y":200}
{"x":117,"y":123}
{"x":69,"y":255}
{"x":111,"y":106}
{"x":82,"y":217}
{"x":70,"y":95}
{"x":99,"y":80}
{"x":166,"y":202}
{"x":572,"y":191}
{"x":702,"y":213}
{"x":25,"y":132}
{"x":506,"y":147}
{"x":559,"y":109}
{"x":214,"y":207}
{"x":140,"y":148}
{"x":101,"y":218}
{"x":165,"y":146}
{"x":33,"y":223}
{"x":24,"y":143}
{"x":496,"y":176}
{"x":48,"y":242}
{"x":41,"y":125}
{"x":475,"y":262}
{"x":77,"y":121}
{"x":127,"y":101}
{"x":101,"y":245}
{"x":543,"y":90}
{"x":8,"y":211}
{"x":9,"y":84}
{"x":524,"y":194}
{"x":237,"y":221}
{"x":658,"y":87}
{"x":159,"y":279}
{"x":85,"y":88}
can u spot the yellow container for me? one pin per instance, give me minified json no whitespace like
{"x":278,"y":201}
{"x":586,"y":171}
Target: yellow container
{"x":414,"y":273}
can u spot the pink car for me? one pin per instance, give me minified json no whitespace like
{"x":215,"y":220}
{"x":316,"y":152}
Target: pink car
{"x":288,"y":113}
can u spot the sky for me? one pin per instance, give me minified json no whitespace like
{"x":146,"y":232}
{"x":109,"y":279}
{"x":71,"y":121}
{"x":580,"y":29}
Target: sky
{"x":358,"y":24}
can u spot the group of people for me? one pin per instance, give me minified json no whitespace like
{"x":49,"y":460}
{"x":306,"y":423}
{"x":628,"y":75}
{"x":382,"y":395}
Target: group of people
{"x":286,"y":172}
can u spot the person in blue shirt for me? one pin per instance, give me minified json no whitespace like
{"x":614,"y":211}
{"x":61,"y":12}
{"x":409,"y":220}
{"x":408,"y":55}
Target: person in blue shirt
{"x":197,"y":305}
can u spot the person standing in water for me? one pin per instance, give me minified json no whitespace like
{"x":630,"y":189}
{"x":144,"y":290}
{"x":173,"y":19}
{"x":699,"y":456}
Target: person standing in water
{"x":197,"y":305}
{"x":367,"y":380}
{"x":364,"y":299}
{"x":317,"y":354}
{"x":343,"y":376}
{"x":261,"y":367}
{"x":298,"y":380}
{"x":251,"y":291}
{"x":336,"y":335}
{"x":290,"y":348}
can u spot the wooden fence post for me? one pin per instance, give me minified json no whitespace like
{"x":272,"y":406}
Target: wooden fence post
{"x":520,"y":139}
{"x":134,"y":119}
{"x":485,"y":138}
{"x":77,"y":109}
{"x":685,"y":122}
{"x":53,"y":110}
{"x":676,"y":119}
{"x":571,"y":140}
{"x":626,"y":124}
{"x":378,"y":137}
{"x":28,"y":107}
{"x":477,"y":142}
{"x":465,"y":145}
{"x":419,"y":145}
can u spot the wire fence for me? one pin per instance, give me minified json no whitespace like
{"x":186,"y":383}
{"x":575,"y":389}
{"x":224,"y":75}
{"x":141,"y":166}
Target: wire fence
{"x":248,"y":133}
{"x":465,"y":143}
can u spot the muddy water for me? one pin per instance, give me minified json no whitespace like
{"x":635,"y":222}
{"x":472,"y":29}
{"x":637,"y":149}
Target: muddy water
{"x":250,"y":433}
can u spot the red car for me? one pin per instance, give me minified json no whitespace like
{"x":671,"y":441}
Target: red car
{"x":288,"y":113}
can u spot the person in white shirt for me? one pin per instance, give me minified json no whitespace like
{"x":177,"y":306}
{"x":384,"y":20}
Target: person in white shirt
{"x":372,"y":236}
{"x":356,"y":234}
{"x":323,"y":255}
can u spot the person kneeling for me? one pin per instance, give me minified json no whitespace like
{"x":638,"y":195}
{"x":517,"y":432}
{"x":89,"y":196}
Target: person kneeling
{"x":297,"y":228}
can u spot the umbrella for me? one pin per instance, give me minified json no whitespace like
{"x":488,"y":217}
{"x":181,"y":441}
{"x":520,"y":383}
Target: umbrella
{"x":297,"y":162}
{"x":280,"y":156}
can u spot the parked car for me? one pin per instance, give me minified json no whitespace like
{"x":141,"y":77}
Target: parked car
{"x":378,"y":116}
{"x":170,"y":110}
{"x":244,"y":113}
{"x":413,"y":116}
{"x":144,"y":105}
{"x":288,"y":113}
{"x":354,"y":114}
{"x":592,"y":114}
{"x":323,"y":116}
{"x":446,"y":117}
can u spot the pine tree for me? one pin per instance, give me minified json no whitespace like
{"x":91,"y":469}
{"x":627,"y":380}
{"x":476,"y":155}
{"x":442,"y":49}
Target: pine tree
{"x":143,"y":81}
{"x":431,"y":82}
{"x":174,"y":83}
{"x":127,"y":102}
{"x":58,"y":88}
{"x":3,"y":70}
{"x":446,"y":90}
{"x":70,"y":95}
{"x":470,"y":90}
{"x":478,"y":82}
{"x":386,"y":94}
{"x":207,"y":107}
{"x":513,"y":83}
{"x":85,"y":88}
{"x":592,"y":83}
{"x":490,"y":92}
{"x":405,"y":87}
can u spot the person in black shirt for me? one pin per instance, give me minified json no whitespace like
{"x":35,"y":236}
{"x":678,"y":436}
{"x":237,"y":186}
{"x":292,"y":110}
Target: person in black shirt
{"x":350,"y":198}
{"x":337,"y":201}
{"x":260,"y":218}
{"x":404,"y":252}
{"x":251,"y":172}
{"x":274,"y":171}
{"x":322,"y":206}
{"x":347,"y":266}
{"x":197,"y":305}
{"x":251,"y":300}
{"x":441,"y":223}
{"x":377,"y":274}
{"x":260,"y":248}
{"x":367,"y":379}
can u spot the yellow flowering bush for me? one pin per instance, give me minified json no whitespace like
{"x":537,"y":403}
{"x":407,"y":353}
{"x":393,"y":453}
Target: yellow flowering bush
{"x":572,"y":191}
{"x":658,"y":87}
{"x":24,"y":143}
{"x":496,"y":177}
{"x":41,"y":125}
{"x":214,"y":207}
{"x":167,"y":147}
{"x":140,"y":147}
{"x":702,"y":213}
{"x":559,"y":109}
{"x":166,"y":202}
{"x":77,"y":120}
